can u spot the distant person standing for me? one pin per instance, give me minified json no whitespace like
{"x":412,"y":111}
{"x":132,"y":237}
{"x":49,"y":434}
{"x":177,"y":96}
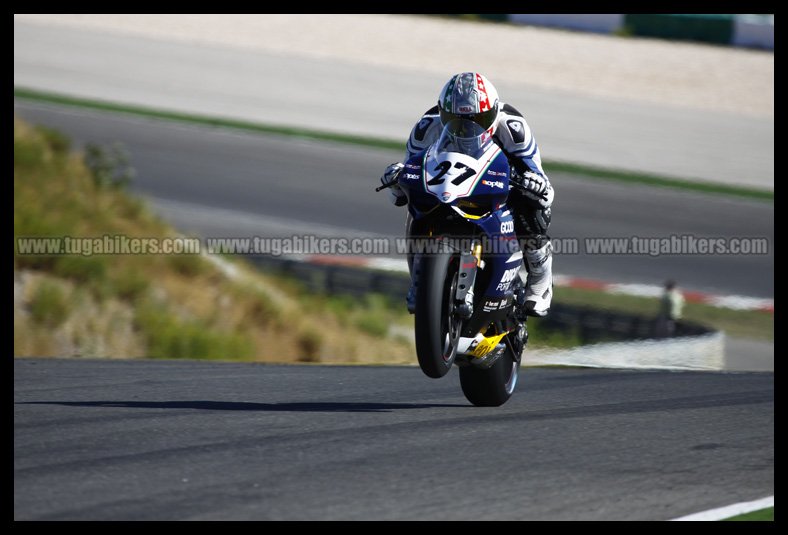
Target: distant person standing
{"x":670,"y":310}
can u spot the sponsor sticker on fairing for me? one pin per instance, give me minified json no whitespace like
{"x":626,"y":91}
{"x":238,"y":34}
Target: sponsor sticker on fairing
{"x":493,"y":183}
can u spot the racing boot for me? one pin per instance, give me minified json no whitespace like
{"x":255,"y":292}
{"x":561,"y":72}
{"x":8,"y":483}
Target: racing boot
{"x":539,"y":289}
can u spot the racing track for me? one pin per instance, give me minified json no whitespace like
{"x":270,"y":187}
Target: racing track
{"x":153,"y":440}
{"x":175,"y":440}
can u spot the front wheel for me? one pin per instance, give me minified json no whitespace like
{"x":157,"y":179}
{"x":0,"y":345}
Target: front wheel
{"x":437,"y":325}
{"x":494,"y":386}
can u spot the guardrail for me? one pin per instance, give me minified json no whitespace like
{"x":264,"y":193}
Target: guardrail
{"x":587,"y":324}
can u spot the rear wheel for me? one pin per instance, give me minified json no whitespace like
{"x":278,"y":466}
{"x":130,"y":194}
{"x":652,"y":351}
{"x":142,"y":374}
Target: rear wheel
{"x":437,"y":325}
{"x":494,"y":386}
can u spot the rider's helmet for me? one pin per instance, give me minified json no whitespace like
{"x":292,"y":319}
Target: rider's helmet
{"x":470,"y":96}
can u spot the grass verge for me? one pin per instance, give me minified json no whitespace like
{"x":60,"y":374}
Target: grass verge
{"x":762,"y":515}
{"x":83,"y":294}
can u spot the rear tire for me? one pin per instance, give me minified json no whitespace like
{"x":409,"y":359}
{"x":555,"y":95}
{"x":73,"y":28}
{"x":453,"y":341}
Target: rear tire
{"x":437,"y":326}
{"x":494,"y":386}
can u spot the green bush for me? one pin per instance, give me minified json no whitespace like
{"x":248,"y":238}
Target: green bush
{"x":309,"y":342}
{"x":170,"y":337}
{"x":109,"y":164}
{"x":28,"y":153}
{"x":49,"y":304}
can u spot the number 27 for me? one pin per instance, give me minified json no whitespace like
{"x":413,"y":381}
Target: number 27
{"x":444,"y":167}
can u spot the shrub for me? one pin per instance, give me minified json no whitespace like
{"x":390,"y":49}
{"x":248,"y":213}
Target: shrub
{"x":49,"y":304}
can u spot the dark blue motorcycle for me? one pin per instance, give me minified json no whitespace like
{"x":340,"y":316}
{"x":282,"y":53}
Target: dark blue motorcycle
{"x":467,"y":289}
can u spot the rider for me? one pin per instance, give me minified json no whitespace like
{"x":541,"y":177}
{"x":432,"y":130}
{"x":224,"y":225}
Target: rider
{"x":471,"y":96}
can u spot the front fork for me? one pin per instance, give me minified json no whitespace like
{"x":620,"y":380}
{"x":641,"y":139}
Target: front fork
{"x":470,"y":262}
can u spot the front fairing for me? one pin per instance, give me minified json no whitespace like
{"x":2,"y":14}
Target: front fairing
{"x":465,"y":169}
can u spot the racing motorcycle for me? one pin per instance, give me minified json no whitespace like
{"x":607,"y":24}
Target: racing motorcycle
{"x":467,"y":293}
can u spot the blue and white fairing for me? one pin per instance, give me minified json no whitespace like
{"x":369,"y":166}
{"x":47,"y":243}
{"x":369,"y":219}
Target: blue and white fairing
{"x":466,"y":172}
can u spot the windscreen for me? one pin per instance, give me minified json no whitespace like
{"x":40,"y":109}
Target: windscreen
{"x":465,"y":137}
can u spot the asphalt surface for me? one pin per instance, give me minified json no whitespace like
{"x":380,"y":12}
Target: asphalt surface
{"x":180,"y":440}
{"x":142,"y":440}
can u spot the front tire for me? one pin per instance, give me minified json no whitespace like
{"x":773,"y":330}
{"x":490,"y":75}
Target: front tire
{"x":494,"y":386}
{"x":437,"y":326}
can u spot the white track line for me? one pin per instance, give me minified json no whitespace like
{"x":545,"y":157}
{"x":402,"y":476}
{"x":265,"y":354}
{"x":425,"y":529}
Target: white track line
{"x":729,"y":510}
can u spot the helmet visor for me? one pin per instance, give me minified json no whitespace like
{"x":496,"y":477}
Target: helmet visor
{"x":464,"y":137}
{"x":484,"y":119}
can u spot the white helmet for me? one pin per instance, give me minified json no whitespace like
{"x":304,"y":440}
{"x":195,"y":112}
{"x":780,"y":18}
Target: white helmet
{"x":470,"y":96}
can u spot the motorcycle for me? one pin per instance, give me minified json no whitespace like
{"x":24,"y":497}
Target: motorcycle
{"x":467,"y":293}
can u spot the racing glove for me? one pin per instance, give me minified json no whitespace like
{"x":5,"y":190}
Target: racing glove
{"x":537,"y":188}
{"x":390,"y":176}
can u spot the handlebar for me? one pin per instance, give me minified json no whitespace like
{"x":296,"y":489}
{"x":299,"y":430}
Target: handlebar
{"x":386,"y":186}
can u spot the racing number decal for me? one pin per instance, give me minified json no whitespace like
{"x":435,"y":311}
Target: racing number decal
{"x":444,"y":168}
